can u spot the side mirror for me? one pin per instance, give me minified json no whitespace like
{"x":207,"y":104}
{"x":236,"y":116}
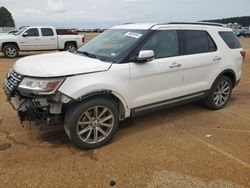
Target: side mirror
{"x":25,"y":34}
{"x":145,"y":56}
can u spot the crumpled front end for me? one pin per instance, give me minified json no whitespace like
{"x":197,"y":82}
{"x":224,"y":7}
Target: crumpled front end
{"x":32,"y":107}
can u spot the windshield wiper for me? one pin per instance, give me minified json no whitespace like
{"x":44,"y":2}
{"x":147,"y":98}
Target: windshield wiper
{"x":87,"y":54}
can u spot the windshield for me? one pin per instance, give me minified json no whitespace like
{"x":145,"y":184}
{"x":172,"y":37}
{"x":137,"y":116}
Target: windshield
{"x":109,"y":45}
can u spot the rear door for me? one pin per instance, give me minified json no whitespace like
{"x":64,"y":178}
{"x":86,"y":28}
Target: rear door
{"x":49,"y":39}
{"x":200,"y":56}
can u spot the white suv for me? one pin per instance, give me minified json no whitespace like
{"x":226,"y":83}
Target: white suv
{"x":128,"y":70}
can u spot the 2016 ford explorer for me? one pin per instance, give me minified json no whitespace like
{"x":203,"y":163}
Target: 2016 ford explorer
{"x":126,"y":71}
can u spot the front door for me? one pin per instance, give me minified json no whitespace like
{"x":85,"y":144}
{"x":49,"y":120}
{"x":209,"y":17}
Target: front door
{"x":30,"y":40}
{"x":160,"y":79}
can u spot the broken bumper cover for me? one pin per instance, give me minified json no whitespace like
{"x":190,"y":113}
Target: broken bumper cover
{"x":35,"y":99}
{"x":37,"y":108}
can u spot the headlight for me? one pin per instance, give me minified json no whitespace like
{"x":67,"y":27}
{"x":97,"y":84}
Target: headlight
{"x":40,"y":86}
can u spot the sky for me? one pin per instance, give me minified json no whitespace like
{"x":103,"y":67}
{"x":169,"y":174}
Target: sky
{"x":106,"y":13}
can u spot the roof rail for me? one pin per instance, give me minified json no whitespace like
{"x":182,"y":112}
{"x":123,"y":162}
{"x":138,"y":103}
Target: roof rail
{"x":199,"y":23}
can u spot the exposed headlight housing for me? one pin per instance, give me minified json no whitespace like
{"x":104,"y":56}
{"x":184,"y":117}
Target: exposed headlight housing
{"x":40,"y":86}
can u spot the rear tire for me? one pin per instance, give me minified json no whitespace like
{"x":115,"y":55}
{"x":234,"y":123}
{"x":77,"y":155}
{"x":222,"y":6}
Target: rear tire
{"x":10,"y":51}
{"x":71,"y":47}
{"x":92,"y":123}
{"x":219,"y":93}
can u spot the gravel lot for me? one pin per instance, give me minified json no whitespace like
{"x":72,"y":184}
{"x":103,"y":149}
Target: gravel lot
{"x":164,"y":149}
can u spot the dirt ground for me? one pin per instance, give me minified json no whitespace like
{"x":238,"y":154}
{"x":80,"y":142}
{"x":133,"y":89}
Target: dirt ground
{"x":188,"y":146}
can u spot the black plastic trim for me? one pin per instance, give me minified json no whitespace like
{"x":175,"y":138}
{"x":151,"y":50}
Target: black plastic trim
{"x":141,"y":110}
{"x":198,"y":23}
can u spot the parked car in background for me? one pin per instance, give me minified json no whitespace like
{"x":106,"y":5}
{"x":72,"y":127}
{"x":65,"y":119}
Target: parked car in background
{"x":38,"y":38}
{"x":246,"y":33}
{"x":238,"y":33}
{"x":127,"y":71}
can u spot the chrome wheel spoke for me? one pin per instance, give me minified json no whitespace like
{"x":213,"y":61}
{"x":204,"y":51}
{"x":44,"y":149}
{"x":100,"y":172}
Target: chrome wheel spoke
{"x":87,"y":115}
{"x":102,"y":131}
{"x":103,"y":112}
{"x":225,"y":89}
{"x":216,"y":97}
{"x":88,"y":135}
{"x":106,"y":118}
{"x":223,"y":98}
{"x":105,"y":125}
{"x":84,"y":123}
{"x":96,"y":111}
{"x":220,"y":100}
{"x":84,"y":130}
{"x":95,"y":134}
{"x":226,"y":93}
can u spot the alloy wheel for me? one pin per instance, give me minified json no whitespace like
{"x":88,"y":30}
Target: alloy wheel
{"x":222,"y":93}
{"x":11,"y":51}
{"x":95,"y":124}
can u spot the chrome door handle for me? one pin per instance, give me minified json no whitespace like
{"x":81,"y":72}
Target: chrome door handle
{"x":217,"y":59}
{"x":174,"y":65}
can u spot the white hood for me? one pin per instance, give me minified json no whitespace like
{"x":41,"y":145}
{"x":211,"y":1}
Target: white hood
{"x":58,"y":64}
{"x":6,"y":36}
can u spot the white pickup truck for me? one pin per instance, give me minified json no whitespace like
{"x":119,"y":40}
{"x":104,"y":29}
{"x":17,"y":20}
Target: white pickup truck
{"x":38,"y":38}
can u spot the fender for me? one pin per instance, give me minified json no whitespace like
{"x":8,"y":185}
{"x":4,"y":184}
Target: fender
{"x":230,"y":73}
{"x":124,"y":108}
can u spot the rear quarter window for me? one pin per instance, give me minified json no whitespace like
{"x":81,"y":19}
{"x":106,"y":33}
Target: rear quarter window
{"x":230,"y":39}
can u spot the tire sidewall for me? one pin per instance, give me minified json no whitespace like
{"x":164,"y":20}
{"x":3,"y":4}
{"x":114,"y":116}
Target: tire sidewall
{"x":10,"y":46}
{"x":76,"y":112}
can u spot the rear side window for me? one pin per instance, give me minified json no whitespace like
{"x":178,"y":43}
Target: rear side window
{"x":47,"y":32}
{"x":198,"y":42}
{"x":164,"y":44}
{"x":230,"y":39}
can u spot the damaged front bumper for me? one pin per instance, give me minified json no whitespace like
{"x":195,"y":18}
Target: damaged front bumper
{"x":41,"y":109}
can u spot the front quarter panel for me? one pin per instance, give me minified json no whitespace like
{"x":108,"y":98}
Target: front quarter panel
{"x":116,"y":79}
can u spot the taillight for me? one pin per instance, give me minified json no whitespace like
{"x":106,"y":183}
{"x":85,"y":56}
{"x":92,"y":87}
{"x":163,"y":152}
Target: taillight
{"x":83,"y":39}
{"x":243,"y":54}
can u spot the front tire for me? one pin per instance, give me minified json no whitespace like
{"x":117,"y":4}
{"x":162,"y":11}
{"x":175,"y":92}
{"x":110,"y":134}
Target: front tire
{"x":10,"y":51}
{"x":92,"y":123}
{"x":219,"y":94}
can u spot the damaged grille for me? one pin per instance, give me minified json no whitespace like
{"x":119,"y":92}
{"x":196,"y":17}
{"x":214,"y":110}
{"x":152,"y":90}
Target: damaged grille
{"x":12,"y":81}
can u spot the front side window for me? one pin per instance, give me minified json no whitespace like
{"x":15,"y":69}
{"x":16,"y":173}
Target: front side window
{"x":47,"y":32}
{"x":163,"y":43}
{"x":198,"y":42}
{"x":32,"y":32}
